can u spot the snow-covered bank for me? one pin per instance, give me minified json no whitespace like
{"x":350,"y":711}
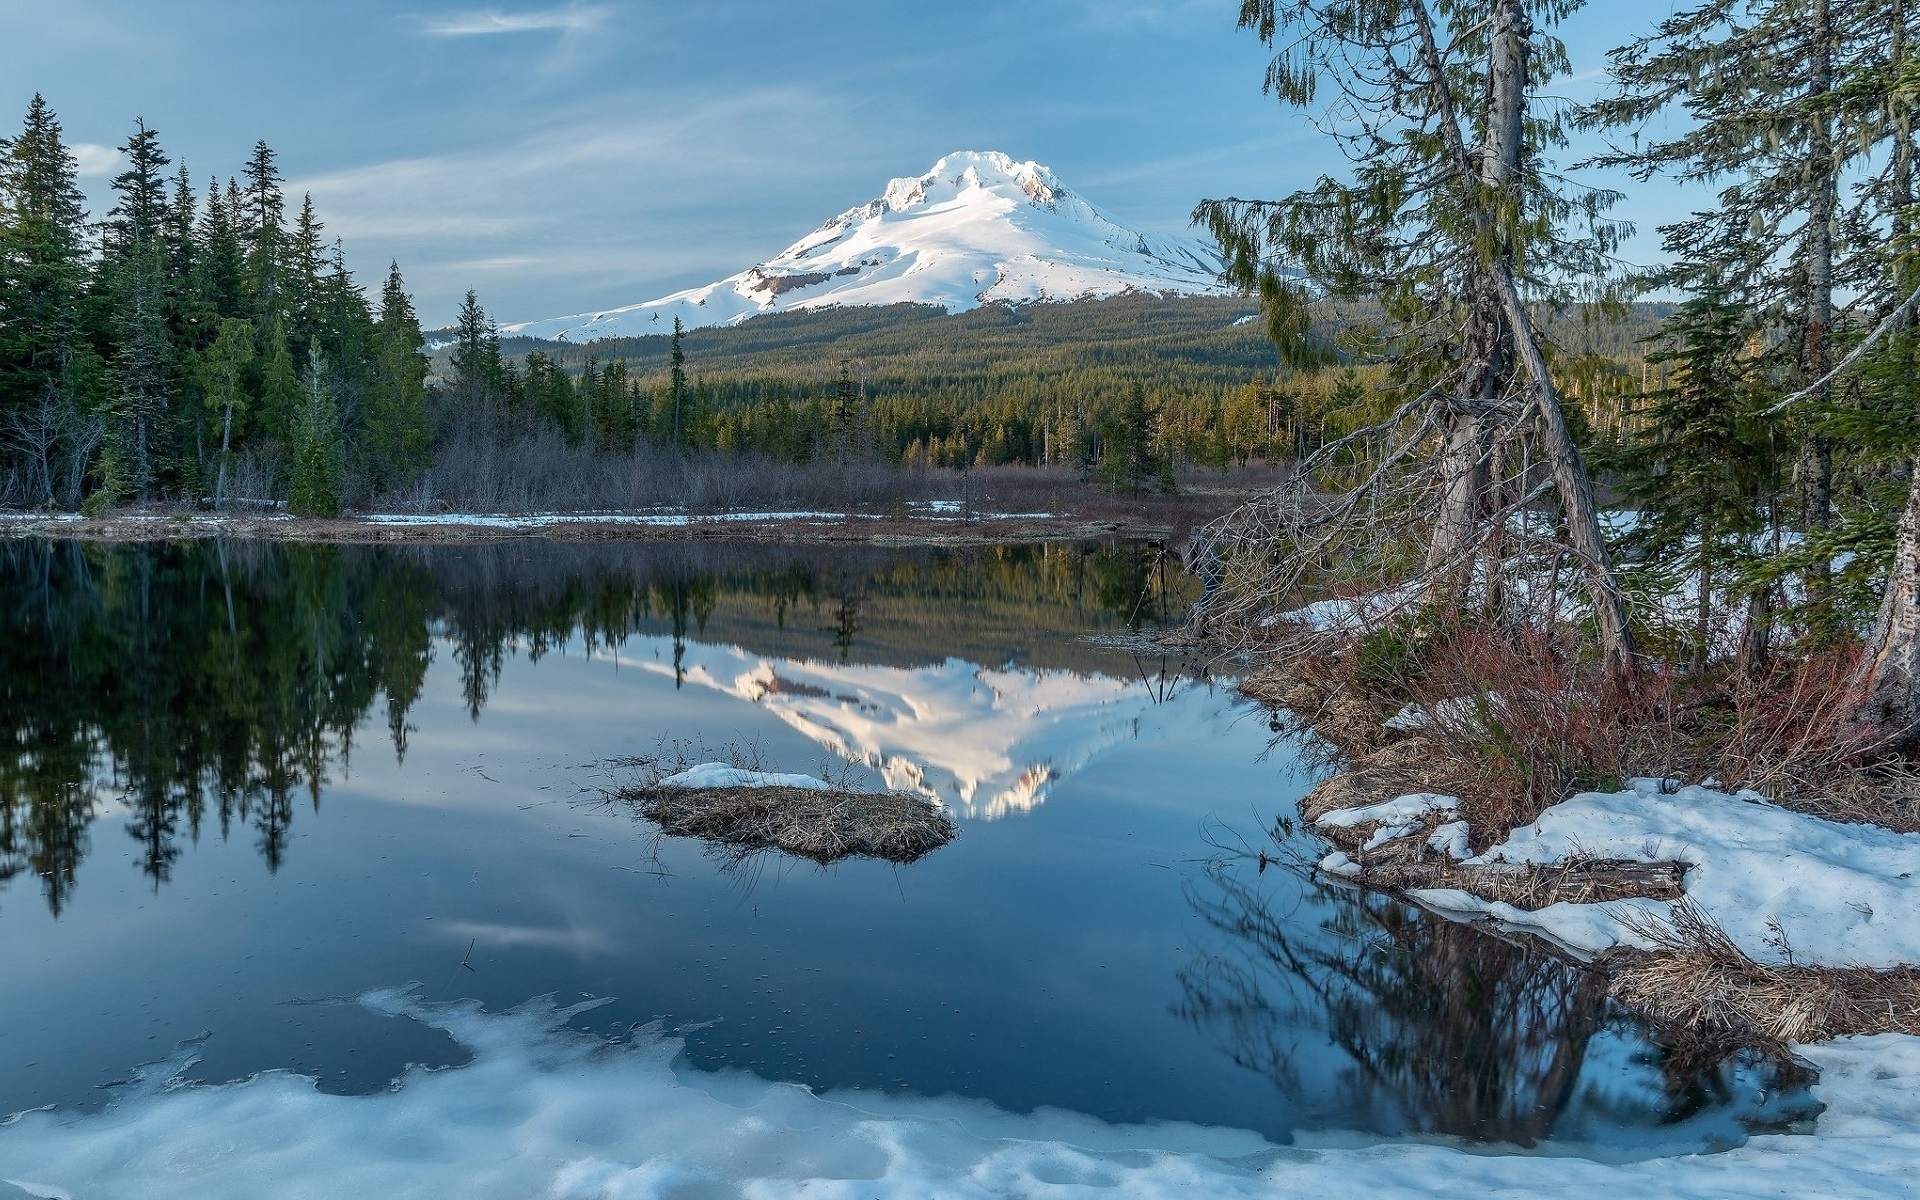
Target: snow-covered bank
{"x":545,"y":1111}
{"x":1783,"y":885}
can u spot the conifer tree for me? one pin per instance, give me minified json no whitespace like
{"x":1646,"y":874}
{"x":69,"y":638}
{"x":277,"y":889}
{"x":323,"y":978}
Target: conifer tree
{"x":843,"y":412}
{"x":47,"y":367}
{"x":301,"y":268}
{"x":133,"y":283}
{"x":1699,"y":468}
{"x":479,"y":375}
{"x":395,"y":436}
{"x":677,"y":380}
{"x":318,"y":467}
{"x":281,"y":396}
{"x":223,"y":373}
{"x":260,"y":213}
{"x":1762,"y":84}
{"x":220,"y":270}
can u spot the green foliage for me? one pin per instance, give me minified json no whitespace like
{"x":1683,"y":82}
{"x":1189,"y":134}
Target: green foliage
{"x":318,"y":467}
{"x":1701,"y":469}
{"x":394,"y":437}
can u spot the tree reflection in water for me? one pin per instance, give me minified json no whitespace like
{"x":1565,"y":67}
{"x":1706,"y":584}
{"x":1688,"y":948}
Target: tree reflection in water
{"x":211,"y":684}
{"x":1444,"y":1028}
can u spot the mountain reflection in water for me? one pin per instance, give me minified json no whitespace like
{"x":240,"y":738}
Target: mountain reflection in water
{"x":424,"y":715}
{"x":215,"y":684}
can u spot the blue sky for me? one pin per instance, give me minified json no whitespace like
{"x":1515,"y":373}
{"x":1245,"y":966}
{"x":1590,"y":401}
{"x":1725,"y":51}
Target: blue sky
{"x":565,"y":157}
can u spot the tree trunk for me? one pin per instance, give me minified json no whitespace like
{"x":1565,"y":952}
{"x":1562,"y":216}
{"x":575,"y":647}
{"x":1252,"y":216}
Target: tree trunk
{"x":1888,"y":681}
{"x":226,"y":443}
{"x":1575,"y":488}
{"x":1703,"y":609}
{"x":1510,"y":41}
{"x":1816,"y":455}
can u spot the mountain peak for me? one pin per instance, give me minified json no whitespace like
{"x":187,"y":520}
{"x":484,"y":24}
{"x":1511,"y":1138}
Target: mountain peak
{"x":974,"y":170}
{"x":977,"y":227}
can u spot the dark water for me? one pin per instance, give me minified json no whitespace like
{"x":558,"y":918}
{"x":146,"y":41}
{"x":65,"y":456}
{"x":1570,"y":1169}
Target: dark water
{"x":245,"y":781}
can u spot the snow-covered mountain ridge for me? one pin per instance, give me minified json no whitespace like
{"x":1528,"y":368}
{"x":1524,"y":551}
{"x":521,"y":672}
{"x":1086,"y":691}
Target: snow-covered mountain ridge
{"x":977,"y":228}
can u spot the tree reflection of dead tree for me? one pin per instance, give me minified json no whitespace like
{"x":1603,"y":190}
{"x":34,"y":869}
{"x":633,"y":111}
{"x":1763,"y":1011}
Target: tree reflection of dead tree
{"x":1454,"y":1031}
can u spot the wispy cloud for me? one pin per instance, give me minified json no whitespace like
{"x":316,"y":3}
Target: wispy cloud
{"x":483,"y":22}
{"x":92,"y":160}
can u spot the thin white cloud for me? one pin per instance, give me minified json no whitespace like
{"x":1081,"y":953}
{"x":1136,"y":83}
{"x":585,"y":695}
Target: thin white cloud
{"x":93,"y":160}
{"x":484,"y":22}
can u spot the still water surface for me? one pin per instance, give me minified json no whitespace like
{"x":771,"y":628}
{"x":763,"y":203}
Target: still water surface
{"x":248,"y":782}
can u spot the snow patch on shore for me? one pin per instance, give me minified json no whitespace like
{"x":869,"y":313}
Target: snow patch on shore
{"x":543,"y":1110}
{"x":722,"y":775}
{"x":1784,"y":886}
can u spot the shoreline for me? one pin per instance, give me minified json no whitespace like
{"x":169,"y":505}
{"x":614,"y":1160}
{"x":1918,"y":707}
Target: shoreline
{"x":849,"y":528}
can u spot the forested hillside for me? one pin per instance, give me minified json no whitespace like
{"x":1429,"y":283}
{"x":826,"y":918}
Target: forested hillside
{"x":1192,"y":380}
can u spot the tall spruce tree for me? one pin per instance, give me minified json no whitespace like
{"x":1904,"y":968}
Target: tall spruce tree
{"x":479,"y":376}
{"x":317,"y":472}
{"x":133,"y":285}
{"x":1770,"y":90}
{"x":223,"y":373}
{"x":48,"y":370}
{"x":260,"y":213}
{"x":394,"y":433}
{"x":677,"y":380}
{"x":1699,"y":468}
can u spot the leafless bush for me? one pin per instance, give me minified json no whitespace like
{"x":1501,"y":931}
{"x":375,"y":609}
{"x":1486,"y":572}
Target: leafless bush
{"x":1514,"y":719}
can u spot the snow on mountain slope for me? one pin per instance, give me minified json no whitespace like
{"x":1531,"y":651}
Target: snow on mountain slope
{"x":988,"y":743}
{"x":977,"y":228}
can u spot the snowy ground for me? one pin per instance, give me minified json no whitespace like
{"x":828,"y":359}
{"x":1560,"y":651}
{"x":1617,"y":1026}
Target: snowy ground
{"x":546,"y":1111}
{"x":1783,"y":885}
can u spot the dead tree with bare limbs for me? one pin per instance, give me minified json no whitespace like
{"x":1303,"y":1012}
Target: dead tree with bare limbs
{"x":1453,"y":222}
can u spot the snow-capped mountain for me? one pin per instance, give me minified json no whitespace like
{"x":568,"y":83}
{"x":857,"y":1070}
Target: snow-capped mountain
{"x":977,"y":228}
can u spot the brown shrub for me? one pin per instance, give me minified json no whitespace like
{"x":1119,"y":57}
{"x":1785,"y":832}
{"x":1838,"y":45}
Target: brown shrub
{"x":1519,"y":718}
{"x":1698,"y":981}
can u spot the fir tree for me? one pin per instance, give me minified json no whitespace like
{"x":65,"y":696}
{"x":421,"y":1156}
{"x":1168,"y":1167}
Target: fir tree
{"x":223,"y":374}
{"x":1766,"y":87}
{"x":1452,"y":222}
{"x":260,"y":212}
{"x":394,"y":430}
{"x":677,"y":380}
{"x":47,"y":367}
{"x":133,"y":275}
{"x":318,"y":467}
{"x":479,"y":375}
{"x":220,"y":269}
{"x":280,"y":392}
{"x":1700,"y":466}
{"x":843,"y":412}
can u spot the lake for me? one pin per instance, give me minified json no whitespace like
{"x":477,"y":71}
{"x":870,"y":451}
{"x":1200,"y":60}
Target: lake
{"x":250,"y":783}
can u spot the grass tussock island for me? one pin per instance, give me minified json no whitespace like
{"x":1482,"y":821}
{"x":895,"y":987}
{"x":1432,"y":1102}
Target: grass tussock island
{"x":743,"y":812}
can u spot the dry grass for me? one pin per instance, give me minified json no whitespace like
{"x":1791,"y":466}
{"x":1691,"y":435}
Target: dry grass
{"x":1534,"y":886}
{"x":1698,"y":981}
{"x":1530,"y":720}
{"x":741,"y":823}
{"x":823,"y":826}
